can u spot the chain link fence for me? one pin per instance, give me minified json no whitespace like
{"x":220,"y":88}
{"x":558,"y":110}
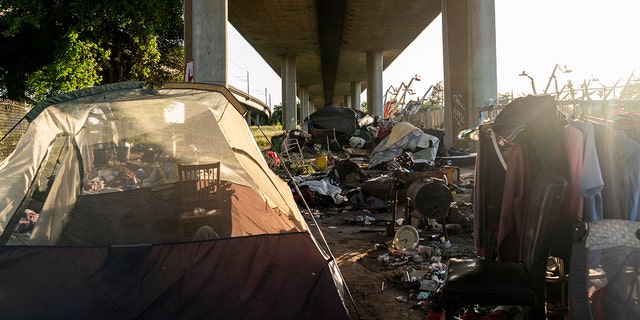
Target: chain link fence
{"x":12,"y":125}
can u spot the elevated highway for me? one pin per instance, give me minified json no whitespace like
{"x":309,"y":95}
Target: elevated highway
{"x":327,"y":52}
{"x":330,"y":38}
{"x":256,"y":107}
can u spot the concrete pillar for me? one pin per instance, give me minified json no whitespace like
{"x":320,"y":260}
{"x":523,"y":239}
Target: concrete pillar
{"x":356,"y":91}
{"x":303,"y":93}
{"x":470,"y":80}
{"x":288,"y":76}
{"x":347,"y":102}
{"x":312,"y":107}
{"x":206,"y":40}
{"x":374,"y":83}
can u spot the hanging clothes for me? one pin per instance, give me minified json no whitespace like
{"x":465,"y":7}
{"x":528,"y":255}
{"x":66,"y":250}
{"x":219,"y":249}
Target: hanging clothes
{"x":631,"y":160}
{"x":487,"y":194}
{"x":608,"y":144}
{"x":516,"y":192}
{"x":571,"y":209}
{"x":591,"y":182}
{"x":628,"y":126}
{"x":531,"y":122}
{"x":534,"y":120}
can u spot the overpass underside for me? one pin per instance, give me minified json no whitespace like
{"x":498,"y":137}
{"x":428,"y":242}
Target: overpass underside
{"x":329,"y":51}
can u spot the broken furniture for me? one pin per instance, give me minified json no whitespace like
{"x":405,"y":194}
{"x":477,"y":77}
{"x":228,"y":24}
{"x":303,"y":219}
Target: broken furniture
{"x":291,"y":151}
{"x":199,"y":185}
{"x":490,"y":282}
{"x":325,"y":137}
{"x":428,"y":198}
{"x":604,"y":280}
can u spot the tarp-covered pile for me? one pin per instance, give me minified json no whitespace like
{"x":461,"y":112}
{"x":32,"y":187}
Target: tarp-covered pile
{"x":404,"y":136}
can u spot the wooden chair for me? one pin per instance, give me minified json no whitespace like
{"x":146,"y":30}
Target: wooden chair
{"x":489,"y":282}
{"x":199,"y":187}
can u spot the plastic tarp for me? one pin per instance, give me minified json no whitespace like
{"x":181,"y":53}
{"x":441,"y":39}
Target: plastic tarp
{"x":404,"y":136}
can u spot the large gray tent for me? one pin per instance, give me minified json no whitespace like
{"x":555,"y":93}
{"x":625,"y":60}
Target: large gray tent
{"x":99,"y":168}
{"x":342,"y":119}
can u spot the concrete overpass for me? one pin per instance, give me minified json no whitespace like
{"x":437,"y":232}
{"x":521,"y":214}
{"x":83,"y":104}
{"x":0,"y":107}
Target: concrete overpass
{"x":328,"y":51}
{"x":258,"y":109}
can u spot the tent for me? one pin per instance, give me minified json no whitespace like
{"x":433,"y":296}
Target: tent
{"x":344,"y":120}
{"x":98,"y":169}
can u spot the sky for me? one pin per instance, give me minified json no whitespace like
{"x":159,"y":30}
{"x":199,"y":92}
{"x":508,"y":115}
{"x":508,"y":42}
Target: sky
{"x":594,"y":39}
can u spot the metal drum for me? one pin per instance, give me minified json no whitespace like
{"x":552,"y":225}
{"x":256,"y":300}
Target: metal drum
{"x":430,"y":197}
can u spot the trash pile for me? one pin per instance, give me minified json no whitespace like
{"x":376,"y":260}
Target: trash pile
{"x":398,"y":180}
{"x":402,"y":163}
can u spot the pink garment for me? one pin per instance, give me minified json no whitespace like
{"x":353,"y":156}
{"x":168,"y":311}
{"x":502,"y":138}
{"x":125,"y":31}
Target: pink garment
{"x":517,"y":185}
{"x":572,"y":207}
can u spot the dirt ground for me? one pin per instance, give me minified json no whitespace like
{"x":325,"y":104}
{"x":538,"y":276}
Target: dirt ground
{"x":377,"y":288}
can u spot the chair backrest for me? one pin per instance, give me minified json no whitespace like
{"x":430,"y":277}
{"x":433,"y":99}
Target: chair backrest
{"x":324,"y":136}
{"x":198,"y":183}
{"x":541,"y":214}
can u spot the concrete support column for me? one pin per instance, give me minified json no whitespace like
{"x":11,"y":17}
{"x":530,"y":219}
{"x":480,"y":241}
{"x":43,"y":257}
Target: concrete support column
{"x":374,"y":83}
{"x":303,"y":93}
{"x":312,"y":107}
{"x":470,"y":80}
{"x":288,"y":76}
{"x":347,"y":101}
{"x":206,"y":40}
{"x":356,"y":91}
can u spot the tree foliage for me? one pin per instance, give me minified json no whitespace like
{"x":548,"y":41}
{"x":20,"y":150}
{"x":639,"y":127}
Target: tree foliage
{"x":276,"y":115}
{"x":436,"y":98}
{"x":50,"y":47}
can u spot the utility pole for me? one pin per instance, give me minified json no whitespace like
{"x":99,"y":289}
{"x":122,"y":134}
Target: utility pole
{"x":248,"y":92}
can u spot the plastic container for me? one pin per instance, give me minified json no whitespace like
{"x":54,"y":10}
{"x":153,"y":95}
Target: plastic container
{"x":321,"y":162}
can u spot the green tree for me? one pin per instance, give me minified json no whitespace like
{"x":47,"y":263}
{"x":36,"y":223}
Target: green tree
{"x":363,"y":106}
{"x":436,"y":98}
{"x":76,"y":66}
{"x":49,"y":47}
{"x":276,"y":116}
{"x":437,"y":94}
{"x":504,"y":98}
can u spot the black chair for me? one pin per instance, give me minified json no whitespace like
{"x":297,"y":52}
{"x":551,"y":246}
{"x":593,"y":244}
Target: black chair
{"x":489,"y":282}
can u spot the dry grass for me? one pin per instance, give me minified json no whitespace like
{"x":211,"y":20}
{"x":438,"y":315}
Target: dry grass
{"x":269,"y":131}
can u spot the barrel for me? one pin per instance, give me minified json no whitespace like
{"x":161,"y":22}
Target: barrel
{"x":430,"y":197}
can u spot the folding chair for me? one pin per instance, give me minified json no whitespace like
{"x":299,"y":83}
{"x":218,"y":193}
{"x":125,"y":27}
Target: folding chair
{"x":291,"y":151}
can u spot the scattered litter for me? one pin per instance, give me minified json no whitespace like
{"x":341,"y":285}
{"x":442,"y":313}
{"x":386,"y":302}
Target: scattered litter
{"x":362,"y":196}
